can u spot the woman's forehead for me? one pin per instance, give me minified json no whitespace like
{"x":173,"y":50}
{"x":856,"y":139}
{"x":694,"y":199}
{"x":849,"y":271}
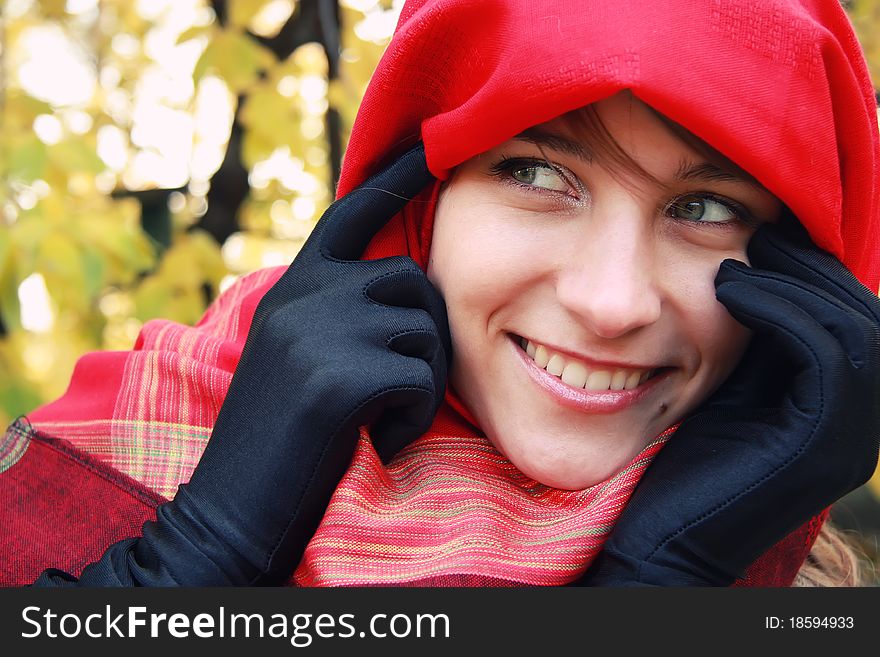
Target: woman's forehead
{"x":626,"y":135}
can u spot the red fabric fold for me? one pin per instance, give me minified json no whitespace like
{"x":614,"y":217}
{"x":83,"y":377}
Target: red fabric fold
{"x":62,"y":507}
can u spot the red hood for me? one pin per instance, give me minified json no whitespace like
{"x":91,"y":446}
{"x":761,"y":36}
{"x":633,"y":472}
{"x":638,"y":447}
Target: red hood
{"x":778,"y":86}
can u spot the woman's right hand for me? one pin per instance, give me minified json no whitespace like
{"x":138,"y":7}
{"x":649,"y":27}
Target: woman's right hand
{"x":793,"y":429}
{"x":335,"y":344}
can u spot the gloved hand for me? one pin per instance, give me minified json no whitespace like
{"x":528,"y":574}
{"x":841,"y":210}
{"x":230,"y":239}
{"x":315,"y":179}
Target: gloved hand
{"x":335,"y":344}
{"x":792,"y":430}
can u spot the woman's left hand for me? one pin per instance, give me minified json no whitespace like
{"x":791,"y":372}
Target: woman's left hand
{"x":794,"y":428}
{"x":337,"y":343}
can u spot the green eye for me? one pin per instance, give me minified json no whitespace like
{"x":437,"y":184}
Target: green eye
{"x":538,"y":175}
{"x":703,"y":208}
{"x":535,"y":173}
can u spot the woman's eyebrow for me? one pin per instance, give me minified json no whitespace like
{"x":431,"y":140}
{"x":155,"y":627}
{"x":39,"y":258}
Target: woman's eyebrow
{"x":555,"y":142}
{"x":708,"y":172}
{"x":688,"y":170}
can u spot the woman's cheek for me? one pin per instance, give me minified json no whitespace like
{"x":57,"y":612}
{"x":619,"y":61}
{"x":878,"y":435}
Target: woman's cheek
{"x":719,"y":339}
{"x":476,"y":249}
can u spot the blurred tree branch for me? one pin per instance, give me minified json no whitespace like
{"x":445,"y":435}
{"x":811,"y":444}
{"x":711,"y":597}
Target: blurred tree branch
{"x":312,"y":21}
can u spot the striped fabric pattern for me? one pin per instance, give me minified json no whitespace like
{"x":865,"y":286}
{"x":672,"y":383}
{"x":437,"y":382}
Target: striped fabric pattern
{"x":172,"y":385}
{"x":158,"y":454}
{"x":452,"y":506}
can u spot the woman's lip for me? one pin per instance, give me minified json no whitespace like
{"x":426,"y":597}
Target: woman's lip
{"x":591,"y":362}
{"x":586,"y":401}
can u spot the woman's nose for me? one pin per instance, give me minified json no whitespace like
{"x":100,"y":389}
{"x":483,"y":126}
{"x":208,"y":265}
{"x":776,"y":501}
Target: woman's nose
{"x":609,"y":280}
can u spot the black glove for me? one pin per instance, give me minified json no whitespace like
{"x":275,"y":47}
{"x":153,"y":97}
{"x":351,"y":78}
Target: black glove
{"x":335,"y":344}
{"x":792,"y":430}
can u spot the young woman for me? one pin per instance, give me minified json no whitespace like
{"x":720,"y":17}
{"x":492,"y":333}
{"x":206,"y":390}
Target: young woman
{"x":637,"y":240}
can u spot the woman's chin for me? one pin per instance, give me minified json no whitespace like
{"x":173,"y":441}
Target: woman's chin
{"x":571,"y":458}
{"x":570,"y":481}
{"x":568,"y":472}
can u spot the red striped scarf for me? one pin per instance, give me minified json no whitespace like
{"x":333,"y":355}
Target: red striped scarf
{"x":451,"y":505}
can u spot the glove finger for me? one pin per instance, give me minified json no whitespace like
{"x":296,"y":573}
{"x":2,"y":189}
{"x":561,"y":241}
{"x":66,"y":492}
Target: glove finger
{"x":401,"y":425}
{"x":426,"y":347}
{"x":857,"y":334}
{"x":422,"y":343}
{"x":786,"y":248}
{"x":399,"y":281}
{"x":760,"y":380}
{"x":347,"y":227}
{"x":404,"y":409}
{"x":421,"y":339}
{"x":408,"y":287}
{"x":817,"y":357}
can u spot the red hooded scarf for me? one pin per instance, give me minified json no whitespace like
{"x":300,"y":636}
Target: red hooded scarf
{"x":778,"y":86}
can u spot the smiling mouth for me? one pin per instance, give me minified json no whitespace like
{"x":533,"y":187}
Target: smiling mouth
{"x":578,"y":374}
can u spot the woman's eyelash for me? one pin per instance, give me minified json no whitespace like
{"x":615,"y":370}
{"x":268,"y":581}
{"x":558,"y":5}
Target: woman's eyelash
{"x":677,"y":208}
{"x":506,"y":166}
{"x":741,"y":214}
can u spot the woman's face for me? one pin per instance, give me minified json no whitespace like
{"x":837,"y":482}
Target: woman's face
{"x":580,"y":294}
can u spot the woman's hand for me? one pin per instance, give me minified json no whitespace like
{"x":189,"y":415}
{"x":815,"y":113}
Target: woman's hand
{"x":335,"y":344}
{"x":793,"y":429}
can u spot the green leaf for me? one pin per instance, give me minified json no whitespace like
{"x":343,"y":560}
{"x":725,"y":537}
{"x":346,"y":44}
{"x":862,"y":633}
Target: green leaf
{"x":9,"y":305}
{"x":255,"y":148}
{"x":273,"y":118}
{"x":242,"y":12}
{"x":28,"y":158}
{"x":61,"y":265}
{"x":124,"y":251}
{"x":17,"y":397}
{"x":150,"y":299}
{"x":22,"y":109}
{"x":26,"y":236}
{"x":236,"y":57}
{"x":75,"y":156}
{"x":209,"y":256}
{"x":193,"y":33}
{"x":94,"y":270}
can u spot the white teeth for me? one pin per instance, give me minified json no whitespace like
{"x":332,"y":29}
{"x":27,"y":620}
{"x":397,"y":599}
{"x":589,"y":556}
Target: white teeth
{"x":556,"y":365}
{"x":542,"y":356}
{"x":577,"y":374}
{"x":599,"y":380}
{"x":618,"y":381}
